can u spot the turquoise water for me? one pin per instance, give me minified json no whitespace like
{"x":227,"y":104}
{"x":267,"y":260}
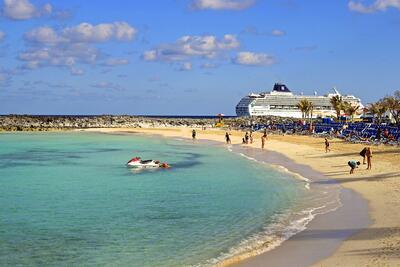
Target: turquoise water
{"x":67,"y":199}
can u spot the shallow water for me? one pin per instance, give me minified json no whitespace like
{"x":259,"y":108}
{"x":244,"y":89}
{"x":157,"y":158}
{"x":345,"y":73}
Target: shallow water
{"x":68,"y":199}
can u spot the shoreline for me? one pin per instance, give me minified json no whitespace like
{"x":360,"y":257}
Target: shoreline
{"x":327,"y":236}
{"x":314,"y":242}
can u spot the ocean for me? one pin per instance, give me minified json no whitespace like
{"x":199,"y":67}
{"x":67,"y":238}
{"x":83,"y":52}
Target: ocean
{"x":68,"y":199}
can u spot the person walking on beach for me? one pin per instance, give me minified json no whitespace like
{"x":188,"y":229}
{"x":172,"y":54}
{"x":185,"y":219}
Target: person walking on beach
{"x":193,"y":134}
{"x":363,"y":154}
{"x":263,"y":139}
{"x":227,"y":138}
{"x":368,"y":155}
{"x":251,"y":136}
{"x":327,"y":149}
{"x":353,"y":165}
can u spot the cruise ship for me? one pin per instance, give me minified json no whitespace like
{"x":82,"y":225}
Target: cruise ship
{"x":282,"y":102}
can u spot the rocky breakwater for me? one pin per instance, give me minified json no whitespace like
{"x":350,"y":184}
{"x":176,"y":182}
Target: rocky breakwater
{"x":52,"y":123}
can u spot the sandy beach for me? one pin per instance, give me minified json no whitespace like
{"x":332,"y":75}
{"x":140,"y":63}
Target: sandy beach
{"x":378,"y":244}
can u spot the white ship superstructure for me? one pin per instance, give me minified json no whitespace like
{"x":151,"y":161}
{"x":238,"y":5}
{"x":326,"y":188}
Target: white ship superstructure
{"x":282,"y":102}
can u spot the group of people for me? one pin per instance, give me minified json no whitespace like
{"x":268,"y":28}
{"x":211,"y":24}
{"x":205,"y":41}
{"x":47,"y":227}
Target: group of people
{"x":366,"y":153}
{"x":248,"y":138}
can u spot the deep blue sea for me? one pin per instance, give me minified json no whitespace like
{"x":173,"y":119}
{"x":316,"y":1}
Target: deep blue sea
{"x":68,"y":199}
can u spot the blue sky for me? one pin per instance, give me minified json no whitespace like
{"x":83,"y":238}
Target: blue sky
{"x":190,"y":57}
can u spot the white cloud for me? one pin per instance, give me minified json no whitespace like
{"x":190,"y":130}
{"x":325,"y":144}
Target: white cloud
{"x":222,"y":4}
{"x":23,"y":9}
{"x":83,"y":33}
{"x":2,"y":36}
{"x":86,"y":32}
{"x":254,"y":59}
{"x":150,"y":55}
{"x":44,"y":35}
{"x":6,"y":76}
{"x":115,"y":62}
{"x":107,"y":85}
{"x":277,"y":33}
{"x":186,"y":47}
{"x":186,"y":66}
{"x":76,"y":72}
{"x":70,"y":46}
{"x":208,"y":65}
{"x":378,"y":5}
{"x":61,"y":55}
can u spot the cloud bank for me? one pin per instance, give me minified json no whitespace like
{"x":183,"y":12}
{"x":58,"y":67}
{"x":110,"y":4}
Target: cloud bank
{"x":23,"y":10}
{"x":222,"y":4}
{"x":378,"y":5}
{"x":187,"y":47}
{"x":72,"y":45}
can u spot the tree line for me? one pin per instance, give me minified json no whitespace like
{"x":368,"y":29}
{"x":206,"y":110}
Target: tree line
{"x":389,"y":104}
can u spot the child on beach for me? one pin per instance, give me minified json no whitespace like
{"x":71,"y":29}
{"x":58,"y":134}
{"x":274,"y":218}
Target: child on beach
{"x":353,"y":164}
{"x":327,"y":149}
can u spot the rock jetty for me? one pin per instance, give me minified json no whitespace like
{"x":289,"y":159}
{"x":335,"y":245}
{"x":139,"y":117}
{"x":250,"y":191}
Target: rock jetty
{"x":53,"y":123}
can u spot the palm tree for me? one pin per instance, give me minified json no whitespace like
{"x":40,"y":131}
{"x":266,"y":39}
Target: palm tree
{"x":337,"y":103}
{"x":311,"y":110}
{"x":350,"y":109}
{"x":393,"y":105}
{"x":378,"y":109}
{"x":304,"y":106}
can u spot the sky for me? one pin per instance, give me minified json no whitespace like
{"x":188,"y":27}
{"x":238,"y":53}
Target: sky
{"x":190,"y":57}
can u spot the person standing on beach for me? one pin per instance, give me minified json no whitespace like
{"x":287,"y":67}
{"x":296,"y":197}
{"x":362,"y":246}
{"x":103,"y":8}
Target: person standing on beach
{"x":327,"y":149}
{"x":251,"y":136}
{"x":227,"y":138}
{"x":193,"y":134}
{"x":368,"y":155}
{"x":363,"y":154}
{"x":263,"y":139}
{"x":353,"y":165}
{"x":246,"y":137}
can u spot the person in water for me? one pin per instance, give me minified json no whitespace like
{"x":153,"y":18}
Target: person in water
{"x":327,"y":149}
{"x":263,"y":139}
{"x":368,"y":155}
{"x":353,"y":165}
{"x":194,"y":134}
{"x":227,"y":138}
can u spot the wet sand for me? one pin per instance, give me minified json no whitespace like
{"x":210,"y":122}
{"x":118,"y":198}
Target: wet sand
{"x":343,"y":237}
